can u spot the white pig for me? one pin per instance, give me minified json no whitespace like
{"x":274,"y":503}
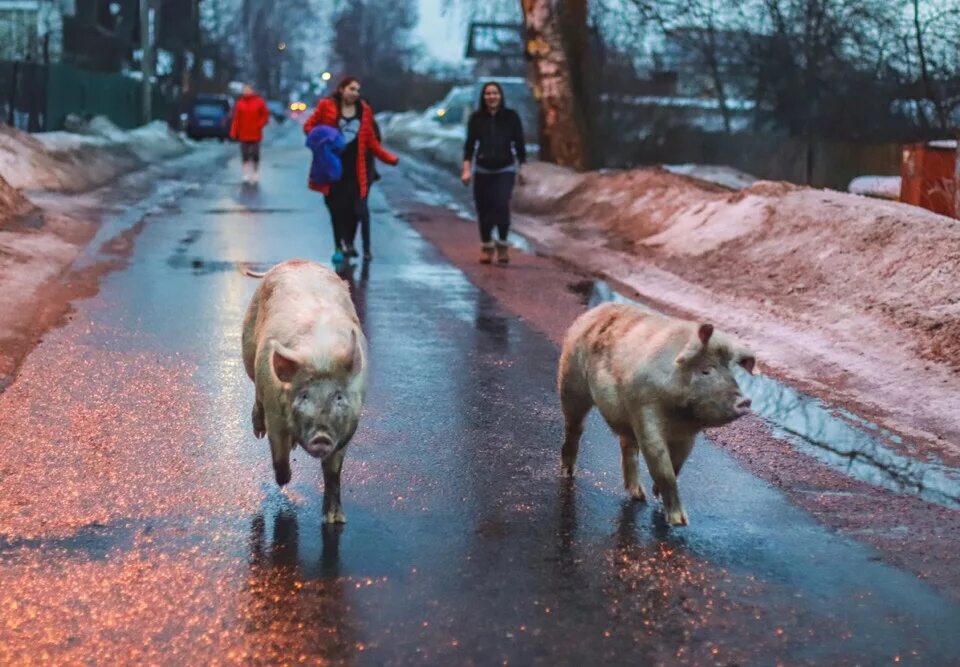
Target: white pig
{"x":307,"y":356}
{"x":657,"y":381}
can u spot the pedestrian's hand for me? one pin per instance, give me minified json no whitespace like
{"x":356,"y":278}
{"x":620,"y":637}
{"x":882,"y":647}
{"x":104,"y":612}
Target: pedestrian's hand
{"x":521,"y":180}
{"x":465,"y":176}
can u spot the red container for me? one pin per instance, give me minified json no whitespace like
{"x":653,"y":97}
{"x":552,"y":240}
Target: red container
{"x":928,"y":177}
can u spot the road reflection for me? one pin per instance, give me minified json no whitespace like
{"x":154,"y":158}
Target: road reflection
{"x":292,"y":613}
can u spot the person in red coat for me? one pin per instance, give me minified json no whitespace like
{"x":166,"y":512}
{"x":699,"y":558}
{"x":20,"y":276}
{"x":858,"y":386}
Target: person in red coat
{"x":250,"y":115}
{"x":347,"y":198}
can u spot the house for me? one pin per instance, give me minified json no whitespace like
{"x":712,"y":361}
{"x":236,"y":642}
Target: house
{"x":32,"y":30}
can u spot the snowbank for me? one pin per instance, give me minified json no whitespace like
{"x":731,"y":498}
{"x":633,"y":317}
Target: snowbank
{"x":720,"y":174}
{"x":824,"y":256}
{"x":12,"y":202}
{"x":885,"y":187}
{"x":91,"y":155}
{"x":418,"y":133}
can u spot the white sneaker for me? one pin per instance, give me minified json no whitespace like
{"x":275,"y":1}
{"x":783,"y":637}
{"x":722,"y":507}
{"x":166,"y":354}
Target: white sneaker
{"x":254,"y":175}
{"x":247,"y":173}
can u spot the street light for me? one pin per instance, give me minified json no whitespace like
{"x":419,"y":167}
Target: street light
{"x":281,"y":46}
{"x":326,"y":76}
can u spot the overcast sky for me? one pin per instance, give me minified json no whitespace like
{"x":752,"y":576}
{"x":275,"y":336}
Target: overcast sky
{"x":442,"y":35}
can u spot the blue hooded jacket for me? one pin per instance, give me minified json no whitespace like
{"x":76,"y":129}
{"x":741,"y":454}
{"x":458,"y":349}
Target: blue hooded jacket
{"x":326,"y":143}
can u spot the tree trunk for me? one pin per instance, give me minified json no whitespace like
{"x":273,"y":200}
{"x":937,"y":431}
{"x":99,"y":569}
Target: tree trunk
{"x":928,"y":85}
{"x":554,"y":32}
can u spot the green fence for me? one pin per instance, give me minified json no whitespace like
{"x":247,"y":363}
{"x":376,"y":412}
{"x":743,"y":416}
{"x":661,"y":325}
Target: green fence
{"x":71,"y":90}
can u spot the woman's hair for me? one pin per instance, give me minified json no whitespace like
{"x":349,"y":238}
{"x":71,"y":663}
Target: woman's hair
{"x":344,"y":82}
{"x":481,"y":105}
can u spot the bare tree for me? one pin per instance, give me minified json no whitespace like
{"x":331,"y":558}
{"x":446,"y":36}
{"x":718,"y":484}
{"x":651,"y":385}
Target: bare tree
{"x":931,"y":49}
{"x":373,"y":41}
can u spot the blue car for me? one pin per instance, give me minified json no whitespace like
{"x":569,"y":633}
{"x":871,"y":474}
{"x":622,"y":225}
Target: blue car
{"x":208,"y":116}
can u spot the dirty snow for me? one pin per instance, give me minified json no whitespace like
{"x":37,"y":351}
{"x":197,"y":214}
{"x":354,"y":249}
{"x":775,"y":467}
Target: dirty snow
{"x":885,"y":187}
{"x":417,"y":132}
{"x":714,"y":173}
{"x":81,"y":160}
{"x":809,"y":249}
{"x":12,"y":202}
{"x":860,"y":294}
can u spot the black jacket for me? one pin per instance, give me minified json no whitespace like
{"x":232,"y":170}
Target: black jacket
{"x":496,"y":139}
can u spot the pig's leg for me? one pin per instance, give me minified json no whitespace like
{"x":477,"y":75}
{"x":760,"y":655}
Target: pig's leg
{"x":259,"y":425}
{"x":280,"y":445}
{"x":649,"y":431}
{"x":680,"y":449}
{"x":629,"y":450}
{"x":332,"y":510}
{"x":576,"y":402}
{"x":575,"y":405}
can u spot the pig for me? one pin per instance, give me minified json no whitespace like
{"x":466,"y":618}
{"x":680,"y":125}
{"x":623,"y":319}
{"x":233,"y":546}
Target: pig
{"x":657,"y":381}
{"x":307,"y":356}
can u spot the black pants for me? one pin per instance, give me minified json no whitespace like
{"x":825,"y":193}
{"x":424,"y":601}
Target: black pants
{"x":348,"y":211}
{"x":491,"y":195}
{"x":250,"y":151}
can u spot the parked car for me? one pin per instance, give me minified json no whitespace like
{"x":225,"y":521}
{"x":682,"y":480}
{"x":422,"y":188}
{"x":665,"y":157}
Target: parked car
{"x":456,"y":107}
{"x":278,"y":110}
{"x":208,"y":116}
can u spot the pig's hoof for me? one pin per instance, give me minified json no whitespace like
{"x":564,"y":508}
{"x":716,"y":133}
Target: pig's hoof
{"x":566,"y":471}
{"x":678,"y":518}
{"x":637,"y":494}
{"x":283,"y":474}
{"x":333,"y":517}
{"x":259,"y":427}
{"x":656,"y":491}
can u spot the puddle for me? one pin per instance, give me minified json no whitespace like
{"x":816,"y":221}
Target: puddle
{"x":840,"y":439}
{"x":251,"y":211}
{"x":204,"y":267}
{"x":96,"y":541}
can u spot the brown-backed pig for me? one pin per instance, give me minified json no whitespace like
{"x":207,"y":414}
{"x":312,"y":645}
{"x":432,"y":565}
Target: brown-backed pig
{"x":657,"y":381}
{"x":307,"y":356}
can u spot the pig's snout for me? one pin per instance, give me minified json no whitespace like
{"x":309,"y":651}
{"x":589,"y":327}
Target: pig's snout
{"x":743,"y":406}
{"x":320,"y":447}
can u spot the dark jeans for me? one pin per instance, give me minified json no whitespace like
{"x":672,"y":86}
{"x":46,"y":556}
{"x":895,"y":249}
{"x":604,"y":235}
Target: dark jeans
{"x":491,"y":194}
{"x":250,"y":151}
{"x":348,"y":211}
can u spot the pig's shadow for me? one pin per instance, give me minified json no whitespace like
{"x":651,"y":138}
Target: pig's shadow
{"x":630,"y":531}
{"x":281,"y":547}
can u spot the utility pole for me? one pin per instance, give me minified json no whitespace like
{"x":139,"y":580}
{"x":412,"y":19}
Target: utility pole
{"x":147,"y":22}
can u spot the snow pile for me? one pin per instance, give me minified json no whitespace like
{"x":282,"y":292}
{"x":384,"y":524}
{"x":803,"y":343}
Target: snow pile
{"x":12,"y":203}
{"x":822,"y":255}
{"x":417,"y":132}
{"x":720,"y":174}
{"x":885,"y":187}
{"x":94,"y":154}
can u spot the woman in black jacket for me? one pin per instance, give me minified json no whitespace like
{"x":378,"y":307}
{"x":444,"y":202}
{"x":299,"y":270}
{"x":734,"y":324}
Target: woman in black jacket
{"x":495,"y":138}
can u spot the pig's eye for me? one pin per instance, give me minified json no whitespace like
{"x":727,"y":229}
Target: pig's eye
{"x":707,"y":370}
{"x":338,"y":397}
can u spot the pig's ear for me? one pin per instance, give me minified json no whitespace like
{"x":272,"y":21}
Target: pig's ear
{"x":704,"y":332}
{"x":696,"y":345}
{"x":285,"y":363}
{"x":354,"y":359}
{"x":747,"y":361}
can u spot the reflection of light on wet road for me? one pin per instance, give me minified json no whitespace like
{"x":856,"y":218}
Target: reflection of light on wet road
{"x":143,"y":525}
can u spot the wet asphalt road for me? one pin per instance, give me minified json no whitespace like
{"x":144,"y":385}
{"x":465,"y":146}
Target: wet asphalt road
{"x":140,"y":522}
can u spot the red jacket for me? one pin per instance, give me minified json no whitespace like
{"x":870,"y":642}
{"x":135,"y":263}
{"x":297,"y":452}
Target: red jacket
{"x":250,"y":114}
{"x":328,"y":113}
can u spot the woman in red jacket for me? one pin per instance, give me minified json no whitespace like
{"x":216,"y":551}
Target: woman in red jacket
{"x":347,"y":198}
{"x":250,"y":114}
